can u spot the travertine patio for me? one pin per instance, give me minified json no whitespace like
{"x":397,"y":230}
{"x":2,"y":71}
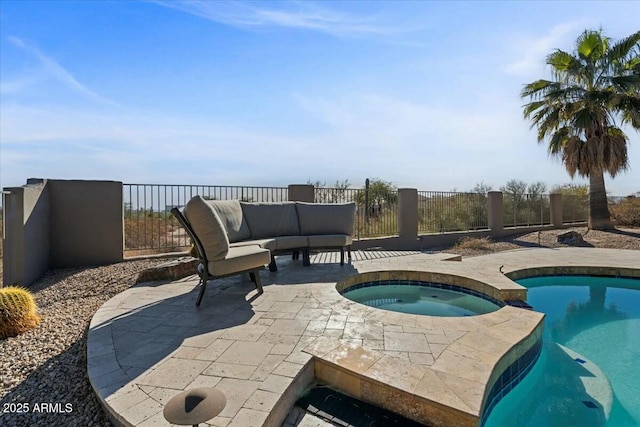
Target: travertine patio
{"x":151,"y":342}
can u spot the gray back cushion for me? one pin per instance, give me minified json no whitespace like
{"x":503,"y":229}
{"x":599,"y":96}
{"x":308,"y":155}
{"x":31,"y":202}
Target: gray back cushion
{"x":326,"y":218}
{"x":230,"y":214}
{"x":271,"y":219}
{"x":208,"y":228}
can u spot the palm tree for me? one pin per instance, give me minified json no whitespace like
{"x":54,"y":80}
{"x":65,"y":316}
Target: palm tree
{"x":594,"y":90}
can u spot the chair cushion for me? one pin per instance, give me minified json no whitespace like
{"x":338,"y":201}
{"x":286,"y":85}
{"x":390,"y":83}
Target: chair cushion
{"x":240,"y":258}
{"x":263,"y":243}
{"x":230,"y":214}
{"x":271,"y":219}
{"x":208,"y":228}
{"x":284,"y":243}
{"x":326,"y":218}
{"x":329,"y":240}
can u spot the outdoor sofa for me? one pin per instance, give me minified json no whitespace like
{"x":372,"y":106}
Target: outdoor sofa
{"x":233,"y":237}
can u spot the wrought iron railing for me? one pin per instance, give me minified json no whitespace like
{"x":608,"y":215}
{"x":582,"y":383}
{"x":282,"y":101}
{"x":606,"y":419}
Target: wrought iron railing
{"x":376,"y":214}
{"x":440,"y":211}
{"x":574,"y":209}
{"x":522,"y":210}
{"x":149,"y":225}
{"x":150,"y":228}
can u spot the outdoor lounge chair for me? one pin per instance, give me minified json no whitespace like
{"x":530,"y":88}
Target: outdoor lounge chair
{"x":217,"y":259}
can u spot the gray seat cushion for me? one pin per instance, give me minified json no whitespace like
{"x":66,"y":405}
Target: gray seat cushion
{"x":208,"y":228}
{"x":329,"y":240}
{"x":326,"y":218}
{"x":271,"y":219}
{"x":239,"y":259}
{"x":263,"y":243}
{"x":230,"y":213}
{"x":284,"y":243}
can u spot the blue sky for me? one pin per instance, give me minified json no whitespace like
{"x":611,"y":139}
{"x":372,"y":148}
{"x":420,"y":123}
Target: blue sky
{"x":422,"y":94}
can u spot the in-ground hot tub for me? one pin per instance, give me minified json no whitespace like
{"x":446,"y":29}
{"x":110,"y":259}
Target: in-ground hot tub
{"x":417,"y":293}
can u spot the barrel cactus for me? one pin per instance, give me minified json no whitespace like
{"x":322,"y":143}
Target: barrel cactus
{"x":18,"y":311}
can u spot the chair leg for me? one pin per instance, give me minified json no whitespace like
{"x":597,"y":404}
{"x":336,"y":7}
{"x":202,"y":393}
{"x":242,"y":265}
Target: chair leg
{"x":256,"y":279}
{"x":295,"y":255}
{"x":349,"y":253}
{"x":252,"y":276}
{"x":272,"y":265}
{"x":205,"y":279}
{"x":341,"y":256}
{"x":306,"y":258}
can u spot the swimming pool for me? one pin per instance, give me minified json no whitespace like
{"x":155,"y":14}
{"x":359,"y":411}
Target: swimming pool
{"x":589,"y":371}
{"x":418,"y":297}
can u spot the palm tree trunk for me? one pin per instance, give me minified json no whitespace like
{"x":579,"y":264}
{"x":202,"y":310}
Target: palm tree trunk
{"x":599,"y":216}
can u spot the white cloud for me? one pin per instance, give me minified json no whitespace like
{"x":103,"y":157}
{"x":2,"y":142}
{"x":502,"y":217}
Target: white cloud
{"x":303,"y":15}
{"x":60,"y":73}
{"x":17,"y":85}
{"x":377,"y":120}
{"x":532,"y":51}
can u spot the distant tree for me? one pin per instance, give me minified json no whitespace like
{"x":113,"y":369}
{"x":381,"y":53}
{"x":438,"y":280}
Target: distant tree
{"x":594,"y":89}
{"x":515,"y":188}
{"x":537,"y":189}
{"x":581,"y":190}
{"x":330,"y":194}
{"x":513,"y":201}
{"x":381,"y":193}
{"x":481,"y":188}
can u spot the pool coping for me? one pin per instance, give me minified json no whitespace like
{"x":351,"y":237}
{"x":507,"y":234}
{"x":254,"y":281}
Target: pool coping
{"x":476,"y":351}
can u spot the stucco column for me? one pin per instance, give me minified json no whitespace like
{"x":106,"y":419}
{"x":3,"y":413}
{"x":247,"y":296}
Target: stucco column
{"x":555,"y":200}
{"x":301,"y":193}
{"x":495,"y":208}
{"x":408,"y":216}
{"x":25,"y":243}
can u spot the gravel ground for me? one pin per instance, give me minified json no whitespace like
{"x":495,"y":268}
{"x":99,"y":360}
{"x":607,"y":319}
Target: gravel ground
{"x":623,"y":238}
{"x":48,"y":364}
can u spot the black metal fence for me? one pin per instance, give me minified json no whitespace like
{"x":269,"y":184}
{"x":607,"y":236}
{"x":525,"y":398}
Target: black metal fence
{"x":150,"y":228}
{"x":376,"y":214}
{"x":445,"y":211}
{"x":574,"y":208}
{"x":521,"y":210}
{"x":149,"y":225}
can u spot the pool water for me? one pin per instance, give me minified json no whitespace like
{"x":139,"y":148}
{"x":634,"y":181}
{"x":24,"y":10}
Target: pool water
{"x":425,"y":300}
{"x":590,"y":360}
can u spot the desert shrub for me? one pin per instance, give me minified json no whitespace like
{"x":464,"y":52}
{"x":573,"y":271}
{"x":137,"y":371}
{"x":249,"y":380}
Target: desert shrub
{"x":440,"y":212}
{"x":18,"y":311}
{"x":626,"y":211}
{"x":476,"y":243}
{"x":384,"y":223}
{"x":149,"y":230}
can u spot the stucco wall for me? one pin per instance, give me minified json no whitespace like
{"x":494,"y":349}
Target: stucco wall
{"x":26,"y":242}
{"x":86,"y":222}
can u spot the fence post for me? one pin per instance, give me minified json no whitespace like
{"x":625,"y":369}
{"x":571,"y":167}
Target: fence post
{"x":555,"y":201}
{"x":408,"y":218}
{"x":495,"y":209}
{"x":301,"y":193}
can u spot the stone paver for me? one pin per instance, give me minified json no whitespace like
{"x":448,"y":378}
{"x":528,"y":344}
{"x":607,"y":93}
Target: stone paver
{"x":150,"y":342}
